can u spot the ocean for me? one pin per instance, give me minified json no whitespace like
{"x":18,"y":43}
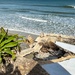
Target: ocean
{"x":37,"y":16}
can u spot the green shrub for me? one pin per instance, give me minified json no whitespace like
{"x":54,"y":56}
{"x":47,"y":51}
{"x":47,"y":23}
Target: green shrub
{"x":8,"y":43}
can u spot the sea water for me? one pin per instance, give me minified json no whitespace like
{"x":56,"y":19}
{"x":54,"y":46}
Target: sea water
{"x":36,"y":16}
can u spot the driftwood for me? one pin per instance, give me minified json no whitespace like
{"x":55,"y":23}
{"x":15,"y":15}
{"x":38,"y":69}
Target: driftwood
{"x":56,"y":37}
{"x":44,"y":44}
{"x":36,"y":48}
{"x":56,"y":60}
{"x":57,"y":54}
{"x":23,"y":66}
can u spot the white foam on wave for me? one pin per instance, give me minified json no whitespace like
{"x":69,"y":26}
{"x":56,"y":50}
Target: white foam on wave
{"x":34,"y":19}
{"x":71,"y":6}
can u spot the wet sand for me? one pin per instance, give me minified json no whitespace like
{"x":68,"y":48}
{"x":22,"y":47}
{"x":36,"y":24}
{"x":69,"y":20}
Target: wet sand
{"x":22,"y":33}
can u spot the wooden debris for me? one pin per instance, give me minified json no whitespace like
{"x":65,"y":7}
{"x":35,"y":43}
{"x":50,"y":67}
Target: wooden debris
{"x":45,"y":44}
{"x":30,"y":39}
{"x":56,"y":37}
{"x":55,"y":51}
{"x":42,"y":35}
{"x":56,"y":60}
{"x":27,"y":51}
{"x":23,"y":66}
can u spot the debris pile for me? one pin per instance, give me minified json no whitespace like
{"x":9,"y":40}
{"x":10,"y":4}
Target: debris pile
{"x":39,"y":51}
{"x":44,"y":48}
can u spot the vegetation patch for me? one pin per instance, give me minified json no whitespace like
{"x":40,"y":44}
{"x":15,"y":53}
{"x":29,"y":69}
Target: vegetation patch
{"x":9,"y":45}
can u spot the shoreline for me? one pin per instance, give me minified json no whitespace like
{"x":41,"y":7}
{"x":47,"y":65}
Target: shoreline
{"x":33,"y":32}
{"x":26,"y":34}
{"x":22,"y":33}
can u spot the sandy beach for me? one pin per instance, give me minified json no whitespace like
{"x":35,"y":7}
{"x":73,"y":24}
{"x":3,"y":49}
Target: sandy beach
{"x":22,"y":33}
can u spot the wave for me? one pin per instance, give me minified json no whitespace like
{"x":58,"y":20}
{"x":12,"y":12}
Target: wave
{"x":40,"y":5}
{"x":69,"y":6}
{"x":36,"y":24}
{"x":65,"y":6}
{"x":34,"y":19}
{"x":34,"y":11}
{"x":5,"y":8}
{"x":37,"y":11}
